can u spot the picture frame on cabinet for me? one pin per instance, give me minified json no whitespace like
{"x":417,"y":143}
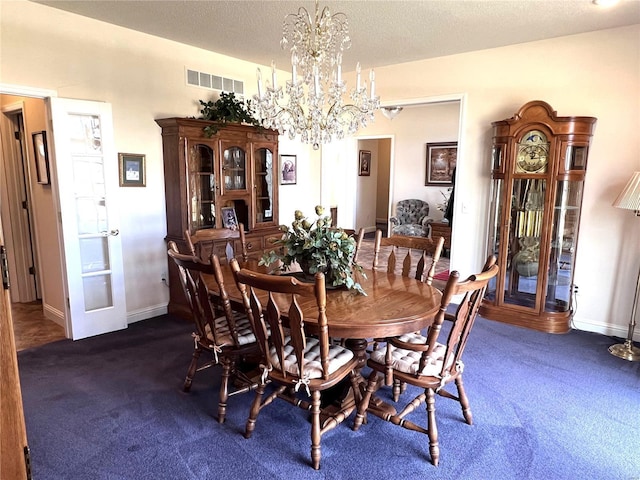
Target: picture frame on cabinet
{"x":364,"y":164}
{"x":41,"y":157}
{"x":229,"y":218}
{"x":288,"y":169}
{"x":441,"y":163}
{"x":132,"y":170}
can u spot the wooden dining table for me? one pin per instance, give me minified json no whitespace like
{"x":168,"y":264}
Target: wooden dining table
{"x":393,"y":305}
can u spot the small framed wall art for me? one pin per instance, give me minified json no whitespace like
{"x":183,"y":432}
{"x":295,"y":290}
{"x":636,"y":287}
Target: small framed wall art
{"x":364,"y":165}
{"x":132,"y":170}
{"x":42,"y":157}
{"x":288,"y":169}
{"x":441,"y":162}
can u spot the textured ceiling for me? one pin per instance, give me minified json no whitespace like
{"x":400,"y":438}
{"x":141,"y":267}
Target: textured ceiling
{"x":382,"y":32}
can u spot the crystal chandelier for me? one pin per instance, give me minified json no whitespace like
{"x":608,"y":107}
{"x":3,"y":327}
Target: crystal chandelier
{"x":313,"y":106}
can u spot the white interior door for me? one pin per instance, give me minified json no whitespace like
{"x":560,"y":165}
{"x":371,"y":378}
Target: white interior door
{"x":86,"y":177}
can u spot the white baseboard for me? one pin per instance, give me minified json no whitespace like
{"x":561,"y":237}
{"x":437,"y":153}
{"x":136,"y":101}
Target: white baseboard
{"x":132,"y":317}
{"x":604,"y":329}
{"x":54,"y":314}
{"x":146,"y":313}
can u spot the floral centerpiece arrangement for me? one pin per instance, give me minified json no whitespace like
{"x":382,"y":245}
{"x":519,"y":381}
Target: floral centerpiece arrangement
{"x":317,"y":247}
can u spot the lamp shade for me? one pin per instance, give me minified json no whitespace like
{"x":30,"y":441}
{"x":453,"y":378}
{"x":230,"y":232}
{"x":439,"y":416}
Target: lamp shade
{"x":629,"y":198}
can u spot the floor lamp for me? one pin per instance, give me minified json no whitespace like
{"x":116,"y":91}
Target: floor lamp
{"x":629,"y":199}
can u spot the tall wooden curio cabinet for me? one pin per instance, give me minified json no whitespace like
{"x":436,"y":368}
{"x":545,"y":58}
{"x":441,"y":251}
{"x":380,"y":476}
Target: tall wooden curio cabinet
{"x":205,"y":176}
{"x":539,"y":162}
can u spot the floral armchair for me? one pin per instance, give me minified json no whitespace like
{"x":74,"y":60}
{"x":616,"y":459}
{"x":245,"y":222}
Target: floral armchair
{"x":412,"y":218}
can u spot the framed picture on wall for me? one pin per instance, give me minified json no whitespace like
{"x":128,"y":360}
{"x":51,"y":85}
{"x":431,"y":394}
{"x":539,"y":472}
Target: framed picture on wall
{"x":288,"y":169}
{"x":132,"y":170}
{"x":364,"y":164}
{"x":441,"y":161}
{"x":42,"y":157}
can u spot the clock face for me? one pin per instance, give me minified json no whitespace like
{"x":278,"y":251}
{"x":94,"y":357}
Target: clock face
{"x":533,"y":153}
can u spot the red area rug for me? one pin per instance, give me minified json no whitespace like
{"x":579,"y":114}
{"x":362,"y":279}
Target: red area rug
{"x":442,"y":276}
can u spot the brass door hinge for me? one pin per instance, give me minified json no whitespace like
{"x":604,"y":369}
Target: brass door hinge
{"x":4,"y":266}
{"x":27,"y":461}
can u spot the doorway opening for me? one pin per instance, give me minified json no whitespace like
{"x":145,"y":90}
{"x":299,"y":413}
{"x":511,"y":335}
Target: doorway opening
{"x":17,"y":218}
{"x":373,"y":189}
{"x":19,"y":205}
{"x":422,"y":121}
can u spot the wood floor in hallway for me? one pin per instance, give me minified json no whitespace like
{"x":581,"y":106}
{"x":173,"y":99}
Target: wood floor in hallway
{"x":31,"y":328}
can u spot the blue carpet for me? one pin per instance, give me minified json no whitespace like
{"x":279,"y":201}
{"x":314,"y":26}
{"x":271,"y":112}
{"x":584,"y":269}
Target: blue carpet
{"x":545,"y":407}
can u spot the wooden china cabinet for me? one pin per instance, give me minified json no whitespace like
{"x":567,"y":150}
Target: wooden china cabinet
{"x":539,"y":162}
{"x":234,"y":168}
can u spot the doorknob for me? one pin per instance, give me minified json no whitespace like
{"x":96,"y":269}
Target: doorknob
{"x":113,"y":233}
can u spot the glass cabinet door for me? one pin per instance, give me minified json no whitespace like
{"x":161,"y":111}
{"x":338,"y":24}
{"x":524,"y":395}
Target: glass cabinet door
{"x":523,"y":249}
{"x":566,"y":215}
{"x":201,"y":188}
{"x":263,"y":183}
{"x":495,"y":224}
{"x":234,"y":169}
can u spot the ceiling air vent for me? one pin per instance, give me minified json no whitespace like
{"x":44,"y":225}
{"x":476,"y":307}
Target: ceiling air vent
{"x":214,"y":82}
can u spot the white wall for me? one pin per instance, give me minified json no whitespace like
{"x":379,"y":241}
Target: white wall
{"x":143,"y":77}
{"x":305,"y":194}
{"x":594,"y":74}
{"x":384,"y":163}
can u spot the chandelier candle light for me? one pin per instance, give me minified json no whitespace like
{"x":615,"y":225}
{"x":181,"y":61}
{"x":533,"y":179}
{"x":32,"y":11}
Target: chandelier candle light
{"x":314,"y":107}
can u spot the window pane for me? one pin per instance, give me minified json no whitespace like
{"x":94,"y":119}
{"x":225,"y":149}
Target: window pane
{"x":94,"y":254}
{"x":97,"y":292}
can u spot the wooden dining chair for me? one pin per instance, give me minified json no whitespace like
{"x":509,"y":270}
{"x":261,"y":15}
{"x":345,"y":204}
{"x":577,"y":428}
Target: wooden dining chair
{"x":358,"y":236}
{"x":228,"y":338}
{"x":219,"y":241}
{"x":416,"y":250}
{"x":298,"y":364}
{"x":426,"y":363}
{"x":419,"y":257}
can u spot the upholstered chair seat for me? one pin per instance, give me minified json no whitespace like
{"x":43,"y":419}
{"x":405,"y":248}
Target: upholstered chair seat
{"x":407,"y":361}
{"x":338,"y":357}
{"x":224,"y":336}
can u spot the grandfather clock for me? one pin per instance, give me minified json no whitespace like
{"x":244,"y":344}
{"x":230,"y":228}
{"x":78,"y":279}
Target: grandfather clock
{"x":539,"y":162}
